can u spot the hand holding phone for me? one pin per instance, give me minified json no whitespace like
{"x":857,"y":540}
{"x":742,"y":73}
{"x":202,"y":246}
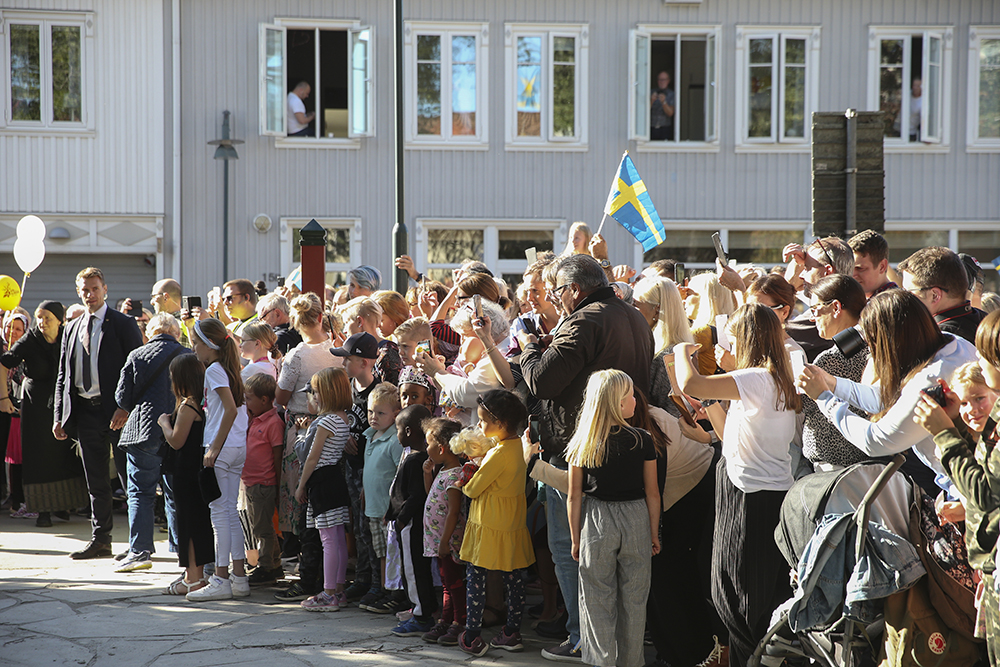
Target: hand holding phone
{"x":478,"y":303}
{"x":424,"y":347}
{"x":136,"y":309}
{"x":680,"y":273}
{"x":534,"y":429}
{"x":720,"y":252}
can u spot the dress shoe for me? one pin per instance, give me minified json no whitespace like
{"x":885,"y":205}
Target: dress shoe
{"x":93,"y":550}
{"x":44,"y":520}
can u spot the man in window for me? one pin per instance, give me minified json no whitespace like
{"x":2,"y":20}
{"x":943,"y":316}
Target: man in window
{"x":298,"y":119}
{"x":916,"y":102}
{"x":661,"y":115}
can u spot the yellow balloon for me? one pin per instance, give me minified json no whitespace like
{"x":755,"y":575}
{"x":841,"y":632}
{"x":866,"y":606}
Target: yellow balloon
{"x":10,"y":293}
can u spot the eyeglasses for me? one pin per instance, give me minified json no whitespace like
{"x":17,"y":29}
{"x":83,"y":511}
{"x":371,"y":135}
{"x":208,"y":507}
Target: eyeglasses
{"x":778,"y":306}
{"x":229,"y":297}
{"x":308,"y":389}
{"x":263,"y":316}
{"x":815,"y":308}
{"x":556,"y":292}
{"x":829,"y":260}
{"x":479,"y":400}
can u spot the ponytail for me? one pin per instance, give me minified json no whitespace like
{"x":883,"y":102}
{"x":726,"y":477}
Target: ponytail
{"x":214,"y":334}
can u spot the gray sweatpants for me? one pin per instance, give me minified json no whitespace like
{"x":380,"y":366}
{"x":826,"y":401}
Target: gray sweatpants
{"x":615,"y":553}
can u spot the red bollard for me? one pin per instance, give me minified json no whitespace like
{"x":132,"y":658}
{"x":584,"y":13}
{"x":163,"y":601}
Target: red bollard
{"x":312,"y":243}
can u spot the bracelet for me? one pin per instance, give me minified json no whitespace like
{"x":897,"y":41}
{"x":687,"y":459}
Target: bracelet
{"x":491,"y":349}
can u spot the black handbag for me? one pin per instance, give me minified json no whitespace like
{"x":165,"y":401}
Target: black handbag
{"x":209,"y":485}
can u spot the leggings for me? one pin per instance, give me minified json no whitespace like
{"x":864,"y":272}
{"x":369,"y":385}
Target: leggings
{"x":334,"y":556}
{"x":453,"y":599}
{"x":225,"y":518}
{"x":475,"y":596}
{"x":16,"y":486}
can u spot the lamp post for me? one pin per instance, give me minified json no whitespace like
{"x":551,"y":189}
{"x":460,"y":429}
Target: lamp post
{"x":400,"y":240}
{"x":225,"y":150}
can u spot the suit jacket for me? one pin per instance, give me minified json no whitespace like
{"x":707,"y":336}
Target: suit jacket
{"x":119,"y":336}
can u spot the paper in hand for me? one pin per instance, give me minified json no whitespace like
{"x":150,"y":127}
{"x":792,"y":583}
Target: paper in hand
{"x":720,"y":331}
{"x":531,"y":254}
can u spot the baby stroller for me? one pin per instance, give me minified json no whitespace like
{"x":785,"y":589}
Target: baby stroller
{"x":855,"y":540}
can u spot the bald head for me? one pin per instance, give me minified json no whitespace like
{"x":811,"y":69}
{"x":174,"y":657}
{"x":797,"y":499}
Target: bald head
{"x":166,"y":296}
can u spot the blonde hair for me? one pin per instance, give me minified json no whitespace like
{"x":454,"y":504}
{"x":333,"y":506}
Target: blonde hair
{"x":363,"y":307}
{"x":393,"y":305}
{"x":263,"y":334}
{"x":671,"y":326}
{"x":583,"y":227}
{"x":417,"y":328}
{"x":333,"y":390}
{"x":307,"y":310}
{"x":713,"y":299}
{"x":163,"y":323}
{"x":601,"y":411}
{"x":471,"y":443}
{"x":969,"y":374}
{"x":385,"y":393}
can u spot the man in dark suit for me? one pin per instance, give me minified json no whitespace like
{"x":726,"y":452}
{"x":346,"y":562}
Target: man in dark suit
{"x":94,"y":348}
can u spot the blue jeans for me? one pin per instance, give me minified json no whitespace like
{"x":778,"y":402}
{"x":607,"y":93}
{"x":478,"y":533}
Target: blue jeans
{"x":143,"y":469}
{"x":567,"y":569}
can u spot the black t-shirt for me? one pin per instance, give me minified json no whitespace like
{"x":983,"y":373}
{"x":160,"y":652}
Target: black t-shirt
{"x":288,"y":338}
{"x":357,"y":421}
{"x":961,"y":320}
{"x":620,"y":477}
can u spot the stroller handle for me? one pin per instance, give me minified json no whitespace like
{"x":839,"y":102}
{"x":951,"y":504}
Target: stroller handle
{"x":864,"y":509}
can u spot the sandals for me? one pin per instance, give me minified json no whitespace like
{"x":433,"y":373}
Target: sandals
{"x":181,"y":587}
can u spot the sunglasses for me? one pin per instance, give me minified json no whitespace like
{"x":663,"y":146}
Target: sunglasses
{"x":230,"y":297}
{"x":815,"y":308}
{"x":829,"y":260}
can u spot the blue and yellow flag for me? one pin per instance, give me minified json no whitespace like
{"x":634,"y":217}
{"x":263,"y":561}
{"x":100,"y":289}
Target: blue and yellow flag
{"x":630,"y":205}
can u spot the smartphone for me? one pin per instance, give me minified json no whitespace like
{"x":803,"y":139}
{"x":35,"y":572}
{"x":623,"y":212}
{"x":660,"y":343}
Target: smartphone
{"x":683,"y":409}
{"x":529,"y":325}
{"x":798,"y":360}
{"x":534,"y":430}
{"x":478,"y":302}
{"x":136,"y":309}
{"x":719,"y":251}
{"x":281,"y":281}
{"x":189,"y":303}
{"x":680,"y":272}
{"x":937,"y":392}
{"x":423,"y":346}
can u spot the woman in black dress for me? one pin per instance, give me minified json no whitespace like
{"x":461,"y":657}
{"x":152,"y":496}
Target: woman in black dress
{"x":52,"y":472}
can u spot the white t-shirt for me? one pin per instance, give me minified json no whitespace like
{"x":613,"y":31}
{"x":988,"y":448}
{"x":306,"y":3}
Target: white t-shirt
{"x":264,"y":366}
{"x":756,"y":437}
{"x":295,"y":105}
{"x":215,"y":377}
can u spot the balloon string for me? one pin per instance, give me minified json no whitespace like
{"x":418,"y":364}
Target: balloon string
{"x":23,"y":281}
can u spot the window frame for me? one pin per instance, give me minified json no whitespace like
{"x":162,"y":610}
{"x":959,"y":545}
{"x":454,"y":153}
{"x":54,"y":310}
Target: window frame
{"x":973,"y":142}
{"x":876,"y":34}
{"x":352,"y":27}
{"x":779,"y":34}
{"x":491,"y":246}
{"x":46,"y":20}
{"x":446,"y":30}
{"x":712,"y":34}
{"x":548,"y":31}
{"x":289,"y":224}
{"x":724,"y":227}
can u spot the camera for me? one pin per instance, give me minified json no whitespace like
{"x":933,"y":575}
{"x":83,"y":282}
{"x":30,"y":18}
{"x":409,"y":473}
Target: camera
{"x":937,"y":392}
{"x":850,"y":341}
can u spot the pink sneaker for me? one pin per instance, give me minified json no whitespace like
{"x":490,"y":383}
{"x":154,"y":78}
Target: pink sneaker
{"x":23,"y":513}
{"x":321,"y":602}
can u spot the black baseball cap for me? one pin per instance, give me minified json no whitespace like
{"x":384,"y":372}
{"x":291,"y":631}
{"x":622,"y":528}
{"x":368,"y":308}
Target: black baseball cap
{"x":359,"y":345}
{"x":972,"y":268}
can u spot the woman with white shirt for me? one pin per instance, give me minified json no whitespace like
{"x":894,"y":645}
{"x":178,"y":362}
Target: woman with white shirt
{"x":749,"y":575}
{"x":909,"y":353}
{"x":257,"y":342}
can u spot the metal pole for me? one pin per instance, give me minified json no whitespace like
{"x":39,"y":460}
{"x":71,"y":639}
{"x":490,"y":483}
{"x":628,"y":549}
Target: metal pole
{"x":225,"y":220}
{"x":400,"y":239}
{"x":851,"y":216}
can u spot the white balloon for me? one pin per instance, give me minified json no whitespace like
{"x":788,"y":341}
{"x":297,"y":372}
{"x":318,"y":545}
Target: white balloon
{"x":29,"y":253}
{"x":31,"y":227}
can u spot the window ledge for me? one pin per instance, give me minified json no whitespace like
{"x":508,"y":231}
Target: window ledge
{"x":803,"y":148}
{"x":446,"y":146}
{"x":47,"y":131}
{"x":677,"y":147}
{"x":288,"y":142}
{"x":915,"y":148}
{"x":551,"y":147}
{"x":983,"y":148}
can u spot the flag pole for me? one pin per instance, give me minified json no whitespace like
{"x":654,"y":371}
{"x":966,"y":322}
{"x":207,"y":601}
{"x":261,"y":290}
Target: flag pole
{"x":602,"y":223}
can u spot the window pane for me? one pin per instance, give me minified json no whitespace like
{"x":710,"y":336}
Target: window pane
{"x":760,"y":246}
{"x":984,"y":246}
{"x":989,"y":88}
{"x":513,"y":242}
{"x":710,"y":88}
{"x":338,"y":246}
{"x":454,"y":246}
{"x":760,"y":51}
{"x":903,"y":244}
{"x":760,"y":101}
{"x":795,"y":101}
{"x":463,"y":85}
{"x":891,"y":52}
{"x":529,"y":81}
{"x":795,"y":51}
{"x":66,"y":101}
{"x":25,"y":73}
{"x":360,"y":81}
{"x":428,"y":98}
{"x":429,"y":47}
{"x":275,"y":93}
{"x":891,"y":84}
{"x":564,"y":87}
{"x":694,"y":245}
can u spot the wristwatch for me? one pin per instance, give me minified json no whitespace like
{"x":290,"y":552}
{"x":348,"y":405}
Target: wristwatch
{"x":605,"y":264}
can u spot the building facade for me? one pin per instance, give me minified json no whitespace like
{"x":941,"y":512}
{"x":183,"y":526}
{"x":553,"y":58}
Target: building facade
{"x":517,"y":115}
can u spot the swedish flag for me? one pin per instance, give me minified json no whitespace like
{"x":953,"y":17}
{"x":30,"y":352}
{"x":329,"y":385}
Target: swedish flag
{"x":630,"y":205}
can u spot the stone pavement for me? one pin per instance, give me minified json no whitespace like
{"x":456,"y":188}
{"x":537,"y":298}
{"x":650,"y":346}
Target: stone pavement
{"x":56,"y":611}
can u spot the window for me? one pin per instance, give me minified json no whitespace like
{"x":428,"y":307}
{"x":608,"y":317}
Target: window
{"x":334,"y":59}
{"x":446,"y":87}
{"x":343,"y":246}
{"x":778,"y":86}
{"x":908,"y":81}
{"x":46,"y":76}
{"x":984,"y":88}
{"x":442,"y":245}
{"x":750,"y":242}
{"x":685,"y":58}
{"x":546,"y":86}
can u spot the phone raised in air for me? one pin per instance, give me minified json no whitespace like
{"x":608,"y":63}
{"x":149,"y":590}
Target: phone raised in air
{"x":189,"y":303}
{"x":720,"y":252}
{"x":423,"y":346}
{"x":477,"y":301}
{"x":136,"y":309}
{"x":529,"y":325}
{"x":683,"y":409}
{"x":680,"y":274}
{"x":534,"y":430}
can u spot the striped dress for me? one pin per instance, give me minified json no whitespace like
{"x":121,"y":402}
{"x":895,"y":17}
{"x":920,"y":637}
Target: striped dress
{"x":333,"y":451}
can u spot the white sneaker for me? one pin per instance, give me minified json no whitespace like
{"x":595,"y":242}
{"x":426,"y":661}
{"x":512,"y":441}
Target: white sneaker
{"x":241,"y":586}
{"x":217,"y":589}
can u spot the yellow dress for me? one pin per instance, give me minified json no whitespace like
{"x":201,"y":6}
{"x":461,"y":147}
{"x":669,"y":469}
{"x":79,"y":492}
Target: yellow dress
{"x":496,"y":534}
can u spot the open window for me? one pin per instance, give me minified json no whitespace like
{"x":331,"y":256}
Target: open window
{"x":908,"y":83}
{"x":328,"y":67}
{"x":984,"y":88}
{"x":672,"y":84}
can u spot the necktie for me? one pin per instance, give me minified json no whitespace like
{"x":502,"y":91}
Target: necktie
{"x":87,"y":379}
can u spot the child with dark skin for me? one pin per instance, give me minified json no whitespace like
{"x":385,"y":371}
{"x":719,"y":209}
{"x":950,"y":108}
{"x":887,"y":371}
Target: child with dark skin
{"x":415,"y":394}
{"x":406,"y":509}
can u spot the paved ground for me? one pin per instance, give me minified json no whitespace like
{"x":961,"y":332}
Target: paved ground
{"x":56,"y":611}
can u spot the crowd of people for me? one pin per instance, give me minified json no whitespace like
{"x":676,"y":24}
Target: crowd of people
{"x":617,"y":439}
